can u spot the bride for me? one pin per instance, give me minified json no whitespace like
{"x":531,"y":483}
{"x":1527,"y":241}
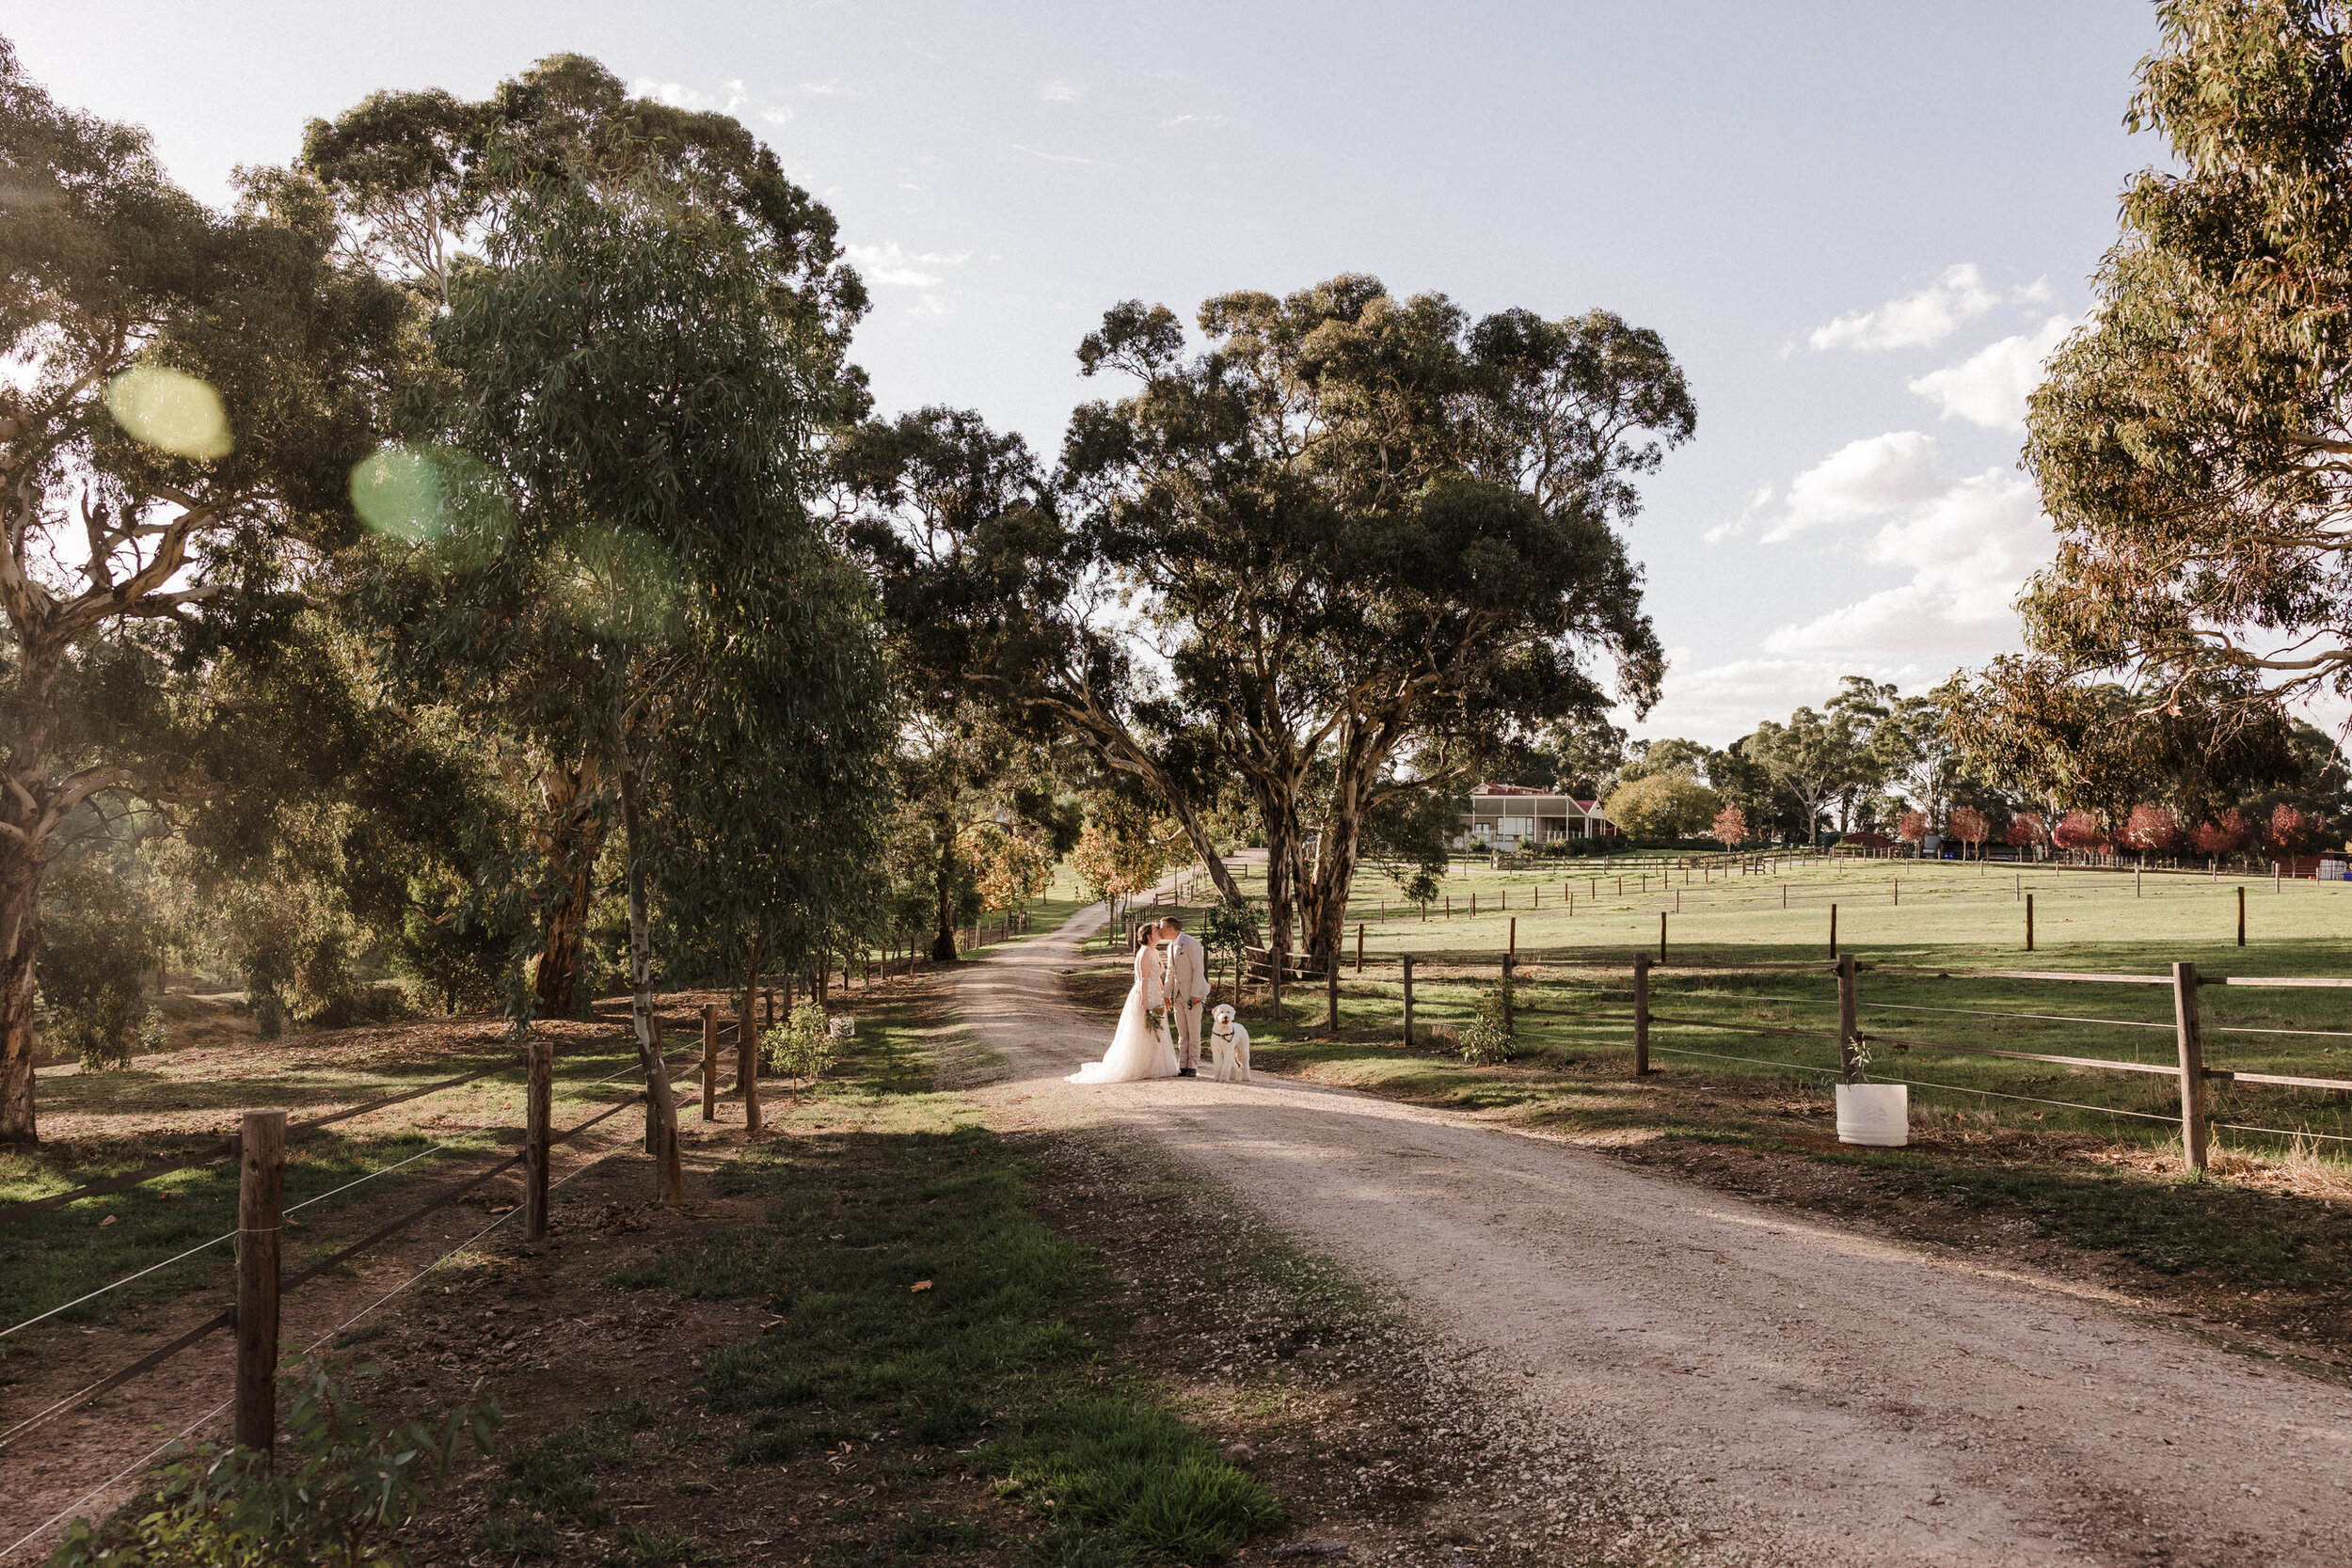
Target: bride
{"x":1138,"y":1050}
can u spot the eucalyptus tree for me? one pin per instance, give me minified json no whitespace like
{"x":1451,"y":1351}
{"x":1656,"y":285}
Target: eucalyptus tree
{"x":2193,"y":440}
{"x":424,"y":181}
{"x":191,"y":389}
{"x":611,"y":558}
{"x":1000,"y":640}
{"x":1373,"y":538}
{"x":1815,"y":757}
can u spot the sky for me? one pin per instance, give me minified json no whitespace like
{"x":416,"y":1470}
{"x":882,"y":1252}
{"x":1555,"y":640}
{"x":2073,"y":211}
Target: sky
{"x":1858,"y":227}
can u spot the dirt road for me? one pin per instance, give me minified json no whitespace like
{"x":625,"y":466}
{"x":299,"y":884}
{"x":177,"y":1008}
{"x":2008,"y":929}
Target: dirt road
{"x":1792,"y":1389}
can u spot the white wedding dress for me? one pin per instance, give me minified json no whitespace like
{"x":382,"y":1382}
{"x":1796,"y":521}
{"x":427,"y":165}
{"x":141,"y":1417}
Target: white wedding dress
{"x":1138,"y":1050}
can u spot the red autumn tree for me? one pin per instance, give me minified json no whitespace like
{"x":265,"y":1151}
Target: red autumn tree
{"x":2150,"y":827}
{"x":2078,"y":830}
{"x":1732,"y":827}
{"x":1971,"y":827}
{"x":2225,"y":837}
{"x":1913,"y":828}
{"x":2027,"y":827}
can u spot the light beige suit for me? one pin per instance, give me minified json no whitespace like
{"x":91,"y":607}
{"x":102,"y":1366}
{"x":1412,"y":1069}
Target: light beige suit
{"x":1185,"y":985}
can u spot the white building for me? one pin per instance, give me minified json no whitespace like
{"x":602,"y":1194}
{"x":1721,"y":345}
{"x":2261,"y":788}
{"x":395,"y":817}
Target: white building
{"x":1506,"y":817}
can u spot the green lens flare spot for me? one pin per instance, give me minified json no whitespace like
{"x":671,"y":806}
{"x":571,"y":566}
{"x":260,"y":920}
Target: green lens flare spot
{"x":399,"y":491}
{"x":170,"y":411}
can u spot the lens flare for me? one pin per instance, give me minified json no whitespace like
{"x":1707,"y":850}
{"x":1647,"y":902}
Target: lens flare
{"x":614,"y":582}
{"x":443,"y":499}
{"x":399,"y":491}
{"x":170,"y":411}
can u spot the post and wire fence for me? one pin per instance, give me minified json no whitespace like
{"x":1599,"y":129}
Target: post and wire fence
{"x":261,"y":1281}
{"x":1652,"y":981}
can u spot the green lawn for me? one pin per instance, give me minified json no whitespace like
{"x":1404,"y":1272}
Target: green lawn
{"x":1575,"y":964}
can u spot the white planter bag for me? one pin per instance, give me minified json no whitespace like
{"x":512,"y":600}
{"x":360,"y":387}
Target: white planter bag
{"x":1875,"y":1115}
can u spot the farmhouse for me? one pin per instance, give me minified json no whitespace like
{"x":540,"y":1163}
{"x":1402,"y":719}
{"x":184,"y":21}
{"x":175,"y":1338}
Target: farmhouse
{"x":1505,"y":817}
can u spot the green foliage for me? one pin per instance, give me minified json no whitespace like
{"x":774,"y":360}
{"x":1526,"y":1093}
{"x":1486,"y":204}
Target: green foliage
{"x":1662,"y":805}
{"x":802,"y":1047}
{"x":343,"y":1484}
{"x":103,"y":936}
{"x":196,"y":387}
{"x":1491,"y":1035}
{"x":2190,"y":440}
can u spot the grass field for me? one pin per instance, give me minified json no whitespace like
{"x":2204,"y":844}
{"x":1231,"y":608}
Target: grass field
{"x":1576,"y":936}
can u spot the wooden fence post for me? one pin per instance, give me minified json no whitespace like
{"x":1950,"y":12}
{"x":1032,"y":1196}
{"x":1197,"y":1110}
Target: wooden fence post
{"x":2029,"y":922}
{"x":1641,"y":1014}
{"x":710,"y":1061}
{"x":1408,"y":999}
{"x":2241,"y":915}
{"x":1662,"y":936}
{"x":1359,"y":947}
{"x":260,"y":1219}
{"x":1331,"y":988}
{"x":747,"y":1076}
{"x":1510,"y":961}
{"x":1511,"y":943}
{"x":1849,"y":1028}
{"x":1832,"y":930}
{"x":539,"y":1132}
{"x":2193,"y":1126}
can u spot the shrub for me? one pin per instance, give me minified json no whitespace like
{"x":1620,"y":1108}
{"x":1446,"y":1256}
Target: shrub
{"x":101,"y":939}
{"x":352,"y":1482}
{"x":800,"y":1046}
{"x":1490,"y":1037}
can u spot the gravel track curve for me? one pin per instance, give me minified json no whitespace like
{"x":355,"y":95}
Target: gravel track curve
{"x":1791,"y":1389}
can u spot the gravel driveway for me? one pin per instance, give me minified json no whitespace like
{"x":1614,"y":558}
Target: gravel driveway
{"x":1790,"y":1388}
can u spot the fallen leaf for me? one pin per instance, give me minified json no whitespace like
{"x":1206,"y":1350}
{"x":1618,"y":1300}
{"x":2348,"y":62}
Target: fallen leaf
{"x":918,"y":1285}
{"x":110,"y":1219}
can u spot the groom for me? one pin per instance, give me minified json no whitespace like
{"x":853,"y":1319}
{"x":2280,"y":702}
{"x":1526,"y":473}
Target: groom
{"x":1184,"y":982}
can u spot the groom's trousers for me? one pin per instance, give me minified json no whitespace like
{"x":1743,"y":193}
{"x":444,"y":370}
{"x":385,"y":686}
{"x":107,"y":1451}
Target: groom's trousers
{"x":1188,"y":1034}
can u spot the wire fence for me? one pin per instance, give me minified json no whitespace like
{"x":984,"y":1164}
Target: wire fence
{"x":198,"y":1332}
{"x":141,"y":1463}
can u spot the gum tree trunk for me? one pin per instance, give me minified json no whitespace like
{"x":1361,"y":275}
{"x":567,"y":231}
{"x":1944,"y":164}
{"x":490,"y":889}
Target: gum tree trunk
{"x":670,"y":1173}
{"x":570,"y":835}
{"x":20,"y":933}
{"x":944,"y":937}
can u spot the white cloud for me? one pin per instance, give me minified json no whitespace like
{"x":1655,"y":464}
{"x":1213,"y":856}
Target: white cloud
{"x":836,"y":88}
{"x":778,"y":115}
{"x":1057,"y":91}
{"x":1730,"y":525}
{"x":1990,"y":386}
{"x":893,"y":266}
{"x":1968,"y":550}
{"x":679,"y":96}
{"x":1720,"y":703}
{"x":1062,"y":157}
{"x":1205,"y":122}
{"x":1916,"y":320}
{"x":1860,"y":480}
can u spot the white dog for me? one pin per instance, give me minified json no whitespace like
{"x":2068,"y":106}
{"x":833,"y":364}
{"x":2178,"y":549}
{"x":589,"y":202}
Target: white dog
{"x":1232,"y":1048}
